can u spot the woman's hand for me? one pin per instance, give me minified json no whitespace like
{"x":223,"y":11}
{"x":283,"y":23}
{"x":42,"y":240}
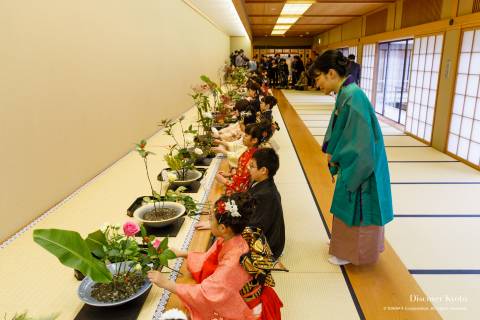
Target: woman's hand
{"x":161,"y":281}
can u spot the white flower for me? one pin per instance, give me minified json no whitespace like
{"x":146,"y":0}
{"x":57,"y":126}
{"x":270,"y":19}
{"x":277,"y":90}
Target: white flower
{"x":198,"y":151}
{"x":171,"y":177}
{"x":173,"y":314}
{"x":104,"y":227}
{"x":207,"y":115}
{"x":138,"y":267}
{"x":188,"y":139}
{"x":231,"y":207}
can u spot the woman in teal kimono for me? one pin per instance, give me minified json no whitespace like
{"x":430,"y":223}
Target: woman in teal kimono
{"x":362,"y":201}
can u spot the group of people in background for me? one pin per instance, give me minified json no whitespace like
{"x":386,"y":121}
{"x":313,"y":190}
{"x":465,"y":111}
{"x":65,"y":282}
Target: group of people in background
{"x":287,"y":72}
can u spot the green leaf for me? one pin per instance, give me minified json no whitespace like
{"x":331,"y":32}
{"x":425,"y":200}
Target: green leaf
{"x":164,"y":244}
{"x":163,"y":260}
{"x":148,"y":200}
{"x":169,"y":254}
{"x":95,"y":241}
{"x":72,"y":251}
{"x":143,"y":230}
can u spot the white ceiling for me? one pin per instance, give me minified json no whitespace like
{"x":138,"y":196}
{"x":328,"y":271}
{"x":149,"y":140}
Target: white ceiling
{"x":223,"y":14}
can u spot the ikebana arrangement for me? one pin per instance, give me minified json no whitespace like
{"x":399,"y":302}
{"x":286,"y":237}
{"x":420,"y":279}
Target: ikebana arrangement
{"x":113,"y":261}
{"x":183,"y":153}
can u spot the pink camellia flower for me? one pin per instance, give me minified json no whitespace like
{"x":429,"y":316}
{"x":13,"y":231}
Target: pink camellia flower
{"x":156,"y":243}
{"x":130,"y":228}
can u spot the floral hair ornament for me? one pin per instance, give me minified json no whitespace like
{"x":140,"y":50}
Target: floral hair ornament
{"x":231,"y":206}
{"x":221,"y":207}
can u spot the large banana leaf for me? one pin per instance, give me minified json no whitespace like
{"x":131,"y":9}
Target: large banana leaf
{"x":72,"y":251}
{"x":96,"y":241}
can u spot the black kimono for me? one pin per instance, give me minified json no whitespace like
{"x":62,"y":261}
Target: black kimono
{"x":268,"y":214}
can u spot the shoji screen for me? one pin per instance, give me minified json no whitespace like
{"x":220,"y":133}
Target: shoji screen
{"x":353,"y":50}
{"x":464,"y":137}
{"x":368,"y":64}
{"x":427,"y":54}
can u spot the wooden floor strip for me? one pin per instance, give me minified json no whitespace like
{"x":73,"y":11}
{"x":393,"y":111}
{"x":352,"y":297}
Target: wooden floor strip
{"x":382,"y":290}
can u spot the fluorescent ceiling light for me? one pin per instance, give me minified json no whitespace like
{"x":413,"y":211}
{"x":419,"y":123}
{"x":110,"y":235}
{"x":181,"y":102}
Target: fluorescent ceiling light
{"x":282,"y":27}
{"x":278,"y":32}
{"x":285,"y":20}
{"x":295,"y":8}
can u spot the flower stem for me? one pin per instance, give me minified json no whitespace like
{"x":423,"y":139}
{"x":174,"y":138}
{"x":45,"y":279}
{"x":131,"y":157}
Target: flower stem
{"x":150,"y":182}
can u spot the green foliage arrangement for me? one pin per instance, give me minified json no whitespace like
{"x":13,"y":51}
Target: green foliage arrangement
{"x":102,"y":247}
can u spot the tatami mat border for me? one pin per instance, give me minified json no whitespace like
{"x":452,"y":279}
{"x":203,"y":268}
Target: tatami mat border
{"x":422,"y":161}
{"x":435,"y":182}
{"x":444,"y":271}
{"x":437,"y":216}
{"x":188,"y":239}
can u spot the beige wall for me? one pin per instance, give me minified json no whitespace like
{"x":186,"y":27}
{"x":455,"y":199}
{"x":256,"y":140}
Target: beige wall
{"x":82,"y":81}
{"x":237,"y":43}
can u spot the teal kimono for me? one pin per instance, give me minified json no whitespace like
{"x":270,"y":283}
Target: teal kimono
{"x":354,"y":139}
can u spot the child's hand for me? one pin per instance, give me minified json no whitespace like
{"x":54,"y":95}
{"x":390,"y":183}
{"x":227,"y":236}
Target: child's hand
{"x":203,"y":225}
{"x":225,"y":174}
{"x":218,"y":149}
{"x":221,"y":179}
{"x":179,"y":253}
{"x":217,"y":141}
{"x":157,"y":278}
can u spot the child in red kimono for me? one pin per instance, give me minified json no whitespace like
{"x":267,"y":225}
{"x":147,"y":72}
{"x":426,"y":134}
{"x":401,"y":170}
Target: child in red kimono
{"x":240,"y":181}
{"x":218,"y":272}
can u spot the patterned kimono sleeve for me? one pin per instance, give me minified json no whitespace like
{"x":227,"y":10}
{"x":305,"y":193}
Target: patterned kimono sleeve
{"x":241,"y":179}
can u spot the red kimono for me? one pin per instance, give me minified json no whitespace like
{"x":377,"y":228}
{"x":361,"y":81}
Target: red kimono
{"x":220,"y":277}
{"x":241,"y":179}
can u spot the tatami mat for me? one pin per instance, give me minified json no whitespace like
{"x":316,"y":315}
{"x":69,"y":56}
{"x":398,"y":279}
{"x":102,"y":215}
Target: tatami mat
{"x":449,"y":172}
{"x":455,"y":297}
{"x":429,"y":232}
{"x":435,"y":199}
{"x":401,"y":141}
{"x":313,"y":296}
{"x":312,"y":282}
{"x":304,"y":230}
{"x":436,"y":243}
{"x":318,"y":131}
{"x":317,"y":123}
{"x":416,"y":154}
